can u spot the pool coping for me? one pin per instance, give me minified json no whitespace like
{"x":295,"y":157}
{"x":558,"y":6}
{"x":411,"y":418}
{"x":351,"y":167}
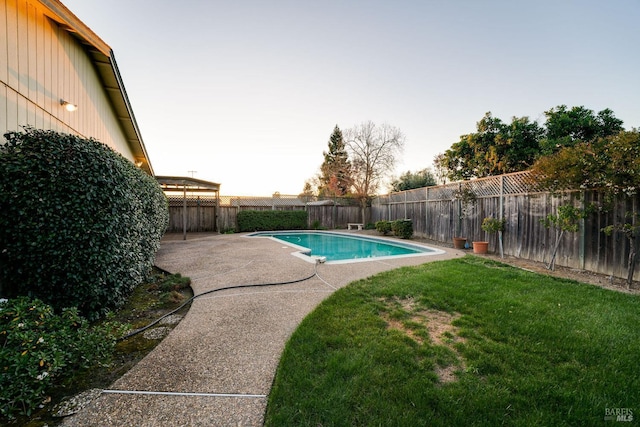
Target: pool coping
{"x":302,"y":252}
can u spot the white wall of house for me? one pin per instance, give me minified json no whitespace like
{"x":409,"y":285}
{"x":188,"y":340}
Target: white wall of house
{"x":41,"y":62}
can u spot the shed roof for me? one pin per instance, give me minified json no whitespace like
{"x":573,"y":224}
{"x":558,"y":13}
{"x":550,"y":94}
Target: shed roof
{"x":105,"y":62}
{"x":178,"y":183}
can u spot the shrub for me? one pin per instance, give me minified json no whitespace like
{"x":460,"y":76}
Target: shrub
{"x":272,"y":220}
{"x":79,"y":223}
{"x":493,"y":225}
{"x":403,"y":228}
{"x":37,"y":347}
{"x":383,"y":227}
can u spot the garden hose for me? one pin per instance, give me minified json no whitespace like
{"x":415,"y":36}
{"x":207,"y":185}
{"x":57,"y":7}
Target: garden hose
{"x":254,"y":285}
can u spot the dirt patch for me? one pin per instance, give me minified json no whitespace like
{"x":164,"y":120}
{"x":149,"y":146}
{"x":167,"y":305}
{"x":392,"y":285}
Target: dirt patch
{"x":397,"y":325}
{"x":447,"y":374}
{"x":438,"y":325}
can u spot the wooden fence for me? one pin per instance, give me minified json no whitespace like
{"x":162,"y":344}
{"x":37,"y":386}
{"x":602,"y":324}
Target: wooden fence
{"x":439,"y":214}
{"x":330,"y":216}
{"x":211,"y":214}
{"x":200,"y":214}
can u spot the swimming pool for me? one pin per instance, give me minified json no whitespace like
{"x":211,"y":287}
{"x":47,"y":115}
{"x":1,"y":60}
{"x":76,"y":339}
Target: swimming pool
{"x":342,"y":248}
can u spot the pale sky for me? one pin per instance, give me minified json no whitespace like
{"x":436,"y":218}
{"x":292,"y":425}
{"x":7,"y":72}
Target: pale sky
{"x":247,"y":93}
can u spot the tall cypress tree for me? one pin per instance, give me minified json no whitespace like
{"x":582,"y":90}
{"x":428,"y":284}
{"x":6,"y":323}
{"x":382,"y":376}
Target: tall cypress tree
{"x":335,"y":172}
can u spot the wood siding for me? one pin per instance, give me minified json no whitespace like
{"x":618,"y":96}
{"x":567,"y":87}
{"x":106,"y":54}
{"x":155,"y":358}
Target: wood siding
{"x":44,"y":64}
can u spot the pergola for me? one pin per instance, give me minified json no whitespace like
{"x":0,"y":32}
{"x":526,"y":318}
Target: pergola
{"x":180,"y":184}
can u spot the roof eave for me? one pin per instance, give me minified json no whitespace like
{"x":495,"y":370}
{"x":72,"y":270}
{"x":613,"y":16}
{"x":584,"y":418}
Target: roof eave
{"x":105,"y":63}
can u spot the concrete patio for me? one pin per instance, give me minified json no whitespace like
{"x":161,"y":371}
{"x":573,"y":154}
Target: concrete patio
{"x":217,"y":366}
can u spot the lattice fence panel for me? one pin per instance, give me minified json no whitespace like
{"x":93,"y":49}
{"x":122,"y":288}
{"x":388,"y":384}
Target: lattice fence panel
{"x":417,"y":195}
{"x":443,"y":192}
{"x":485,"y":187}
{"x":279,"y":201}
{"x":191,"y":201}
{"x":396,"y":198}
{"x":520,"y":183}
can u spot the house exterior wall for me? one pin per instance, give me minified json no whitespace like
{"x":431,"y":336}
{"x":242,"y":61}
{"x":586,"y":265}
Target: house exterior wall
{"x":41,"y":63}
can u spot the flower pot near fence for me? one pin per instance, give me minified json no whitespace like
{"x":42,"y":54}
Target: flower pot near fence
{"x":480,"y":247}
{"x":459,"y":242}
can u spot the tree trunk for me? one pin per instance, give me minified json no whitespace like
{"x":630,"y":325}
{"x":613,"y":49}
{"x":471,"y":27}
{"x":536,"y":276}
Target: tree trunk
{"x":632,"y":261}
{"x":552,"y":262}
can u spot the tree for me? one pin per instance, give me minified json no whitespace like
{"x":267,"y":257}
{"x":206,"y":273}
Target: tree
{"x":609,"y":164}
{"x":565,"y":128}
{"x":373,"y":151}
{"x":307,"y":194}
{"x":440,"y":168}
{"x":467,"y":158}
{"x":410,"y":180}
{"x":516,"y":147}
{"x":498,"y":148}
{"x":335,"y":171}
{"x":567,"y":220}
{"x":495,"y":149}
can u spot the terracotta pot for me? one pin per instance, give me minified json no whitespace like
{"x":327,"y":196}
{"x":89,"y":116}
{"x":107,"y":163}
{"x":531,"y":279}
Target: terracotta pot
{"x":458,"y":242}
{"x":480,"y":247}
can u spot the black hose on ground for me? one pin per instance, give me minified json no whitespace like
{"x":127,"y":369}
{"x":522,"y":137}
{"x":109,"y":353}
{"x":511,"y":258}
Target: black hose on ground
{"x":255,"y":285}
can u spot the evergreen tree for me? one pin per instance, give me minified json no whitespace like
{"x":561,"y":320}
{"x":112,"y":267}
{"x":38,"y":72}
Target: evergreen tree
{"x":335,"y":172}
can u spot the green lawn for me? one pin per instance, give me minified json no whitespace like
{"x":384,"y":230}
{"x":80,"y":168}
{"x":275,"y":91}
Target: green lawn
{"x":524,"y":349}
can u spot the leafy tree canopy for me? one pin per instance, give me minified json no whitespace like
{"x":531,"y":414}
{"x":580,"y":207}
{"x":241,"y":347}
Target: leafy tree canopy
{"x":566,"y":127}
{"x":410,"y":180}
{"x":610,"y":163}
{"x":497,"y":147}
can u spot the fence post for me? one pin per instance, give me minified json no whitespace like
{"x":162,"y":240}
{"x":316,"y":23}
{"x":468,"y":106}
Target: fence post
{"x":501,"y":201}
{"x":184,"y":211}
{"x":459,"y":219}
{"x":334,"y":214}
{"x":216,"y":225}
{"x":581,"y":225}
{"x":405,"y":205}
{"x":426,"y":214}
{"x":198,"y":215}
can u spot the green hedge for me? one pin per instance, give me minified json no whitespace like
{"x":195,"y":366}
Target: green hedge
{"x":402,"y":228}
{"x":272,"y":220}
{"x":79,"y":223}
{"x":383,"y":227}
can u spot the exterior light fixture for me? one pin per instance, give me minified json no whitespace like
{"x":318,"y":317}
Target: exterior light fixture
{"x":68,"y":106}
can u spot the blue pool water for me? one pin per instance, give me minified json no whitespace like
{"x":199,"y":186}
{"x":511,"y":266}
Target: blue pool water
{"x":343,"y":247}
